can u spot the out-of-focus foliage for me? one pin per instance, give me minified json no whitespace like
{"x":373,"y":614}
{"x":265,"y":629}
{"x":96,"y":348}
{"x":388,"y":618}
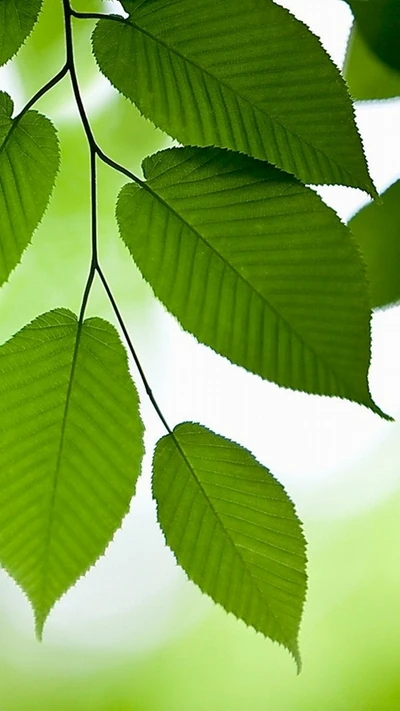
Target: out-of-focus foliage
{"x":379,"y":23}
{"x":372,"y":65}
{"x":377,"y":230}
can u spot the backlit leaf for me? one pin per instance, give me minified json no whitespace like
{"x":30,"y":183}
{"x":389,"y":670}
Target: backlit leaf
{"x":29,"y":160}
{"x":376,"y":228}
{"x":233,"y":529}
{"x":255,"y":265}
{"x":70,"y":451}
{"x":245,"y":76}
{"x":17,"y":18}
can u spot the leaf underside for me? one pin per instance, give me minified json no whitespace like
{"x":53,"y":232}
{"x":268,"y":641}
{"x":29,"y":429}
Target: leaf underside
{"x":376,"y":228}
{"x":29,"y":161}
{"x":252,"y":79}
{"x":255,"y":265}
{"x":70,"y":451}
{"x":17,"y":18}
{"x":233,"y":529}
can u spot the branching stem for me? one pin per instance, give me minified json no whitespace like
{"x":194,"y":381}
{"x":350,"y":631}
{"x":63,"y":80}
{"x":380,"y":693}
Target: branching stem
{"x":96,"y":152}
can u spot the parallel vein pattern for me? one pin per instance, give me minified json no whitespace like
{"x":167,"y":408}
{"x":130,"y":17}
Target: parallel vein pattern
{"x":249,"y":77}
{"x":29,"y":161}
{"x":255,"y":265}
{"x":17,"y":18}
{"x":233,"y":529}
{"x":70,"y":451}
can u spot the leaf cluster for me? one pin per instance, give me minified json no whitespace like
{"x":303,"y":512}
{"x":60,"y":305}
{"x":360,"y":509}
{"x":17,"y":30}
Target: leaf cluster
{"x":236,"y":245}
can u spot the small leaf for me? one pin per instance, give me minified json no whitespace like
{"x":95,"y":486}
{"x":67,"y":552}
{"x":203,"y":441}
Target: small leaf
{"x":376,"y":228}
{"x":245,"y":76}
{"x":367,"y":76}
{"x":379,"y":23}
{"x":17,"y":18}
{"x":233,"y":529}
{"x":70,"y":451}
{"x":29,"y":161}
{"x":255,"y":265}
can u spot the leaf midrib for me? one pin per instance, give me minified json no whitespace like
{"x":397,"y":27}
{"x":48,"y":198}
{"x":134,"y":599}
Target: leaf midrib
{"x":56,"y":476}
{"x":220,"y":524}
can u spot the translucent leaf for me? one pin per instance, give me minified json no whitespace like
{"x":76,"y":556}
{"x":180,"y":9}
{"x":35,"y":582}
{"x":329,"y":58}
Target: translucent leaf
{"x":17,"y":18}
{"x":70,"y":451}
{"x":255,"y":265}
{"x":249,"y":77}
{"x":367,"y":76}
{"x":376,"y":228}
{"x":379,"y":23}
{"x":29,"y":160}
{"x":233,"y":529}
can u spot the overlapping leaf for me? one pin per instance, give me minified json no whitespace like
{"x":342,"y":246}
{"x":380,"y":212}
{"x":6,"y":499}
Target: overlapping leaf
{"x":367,"y":76}
{"x":17,"y":18}
{"x":233,"y":529}
{"x":376,"y":228}
{"x":255,"y":265}
{"x":379,"y":23}
{"x":29,"y":160}
{"x":70,"y":451}
{"x":244,"y":76}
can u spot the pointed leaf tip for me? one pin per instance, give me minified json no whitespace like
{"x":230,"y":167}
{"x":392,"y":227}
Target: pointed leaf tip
{"x":233,"y":529}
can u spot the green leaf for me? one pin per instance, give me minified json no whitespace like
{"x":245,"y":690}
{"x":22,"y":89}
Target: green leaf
{"x":376,"y":228}
{"x":29,"y":161}
{"x":233,"y":529}
{"x":17,"y":18}
{"x":70,"y":451}
{"x":255,"y":265}
{"x":379,"y":23}
{"x":367,"y":76}
{"x":249,"y":77}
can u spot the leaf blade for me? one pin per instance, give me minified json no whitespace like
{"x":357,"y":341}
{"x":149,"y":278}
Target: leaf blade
{"x":29,"y":162}
{"x":255,"y":265}
{"x":69,"y":462}
{"x":214,"y":74}
{"x":233,"y":529}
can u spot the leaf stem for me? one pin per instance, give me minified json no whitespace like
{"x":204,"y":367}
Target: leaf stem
{"x":96,"y":16}
{"x":44,"y":89}
{"x":95,"y":151}
{"x":131,"y":348}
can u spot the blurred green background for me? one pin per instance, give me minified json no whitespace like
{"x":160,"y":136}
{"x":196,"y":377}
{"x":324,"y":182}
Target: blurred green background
{"x":133,"y":635}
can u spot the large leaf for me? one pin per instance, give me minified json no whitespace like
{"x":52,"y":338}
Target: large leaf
{"x":70,"y":451}
{"x":367,"y":76}
{"x":29,"y":160}
{"x":233,"y":529}
{"x":17,"y":17}
{"x":379,"y":23}
{"x":245,"y":76}
{"x":255,"y":265}
{"x":376,"y":228}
